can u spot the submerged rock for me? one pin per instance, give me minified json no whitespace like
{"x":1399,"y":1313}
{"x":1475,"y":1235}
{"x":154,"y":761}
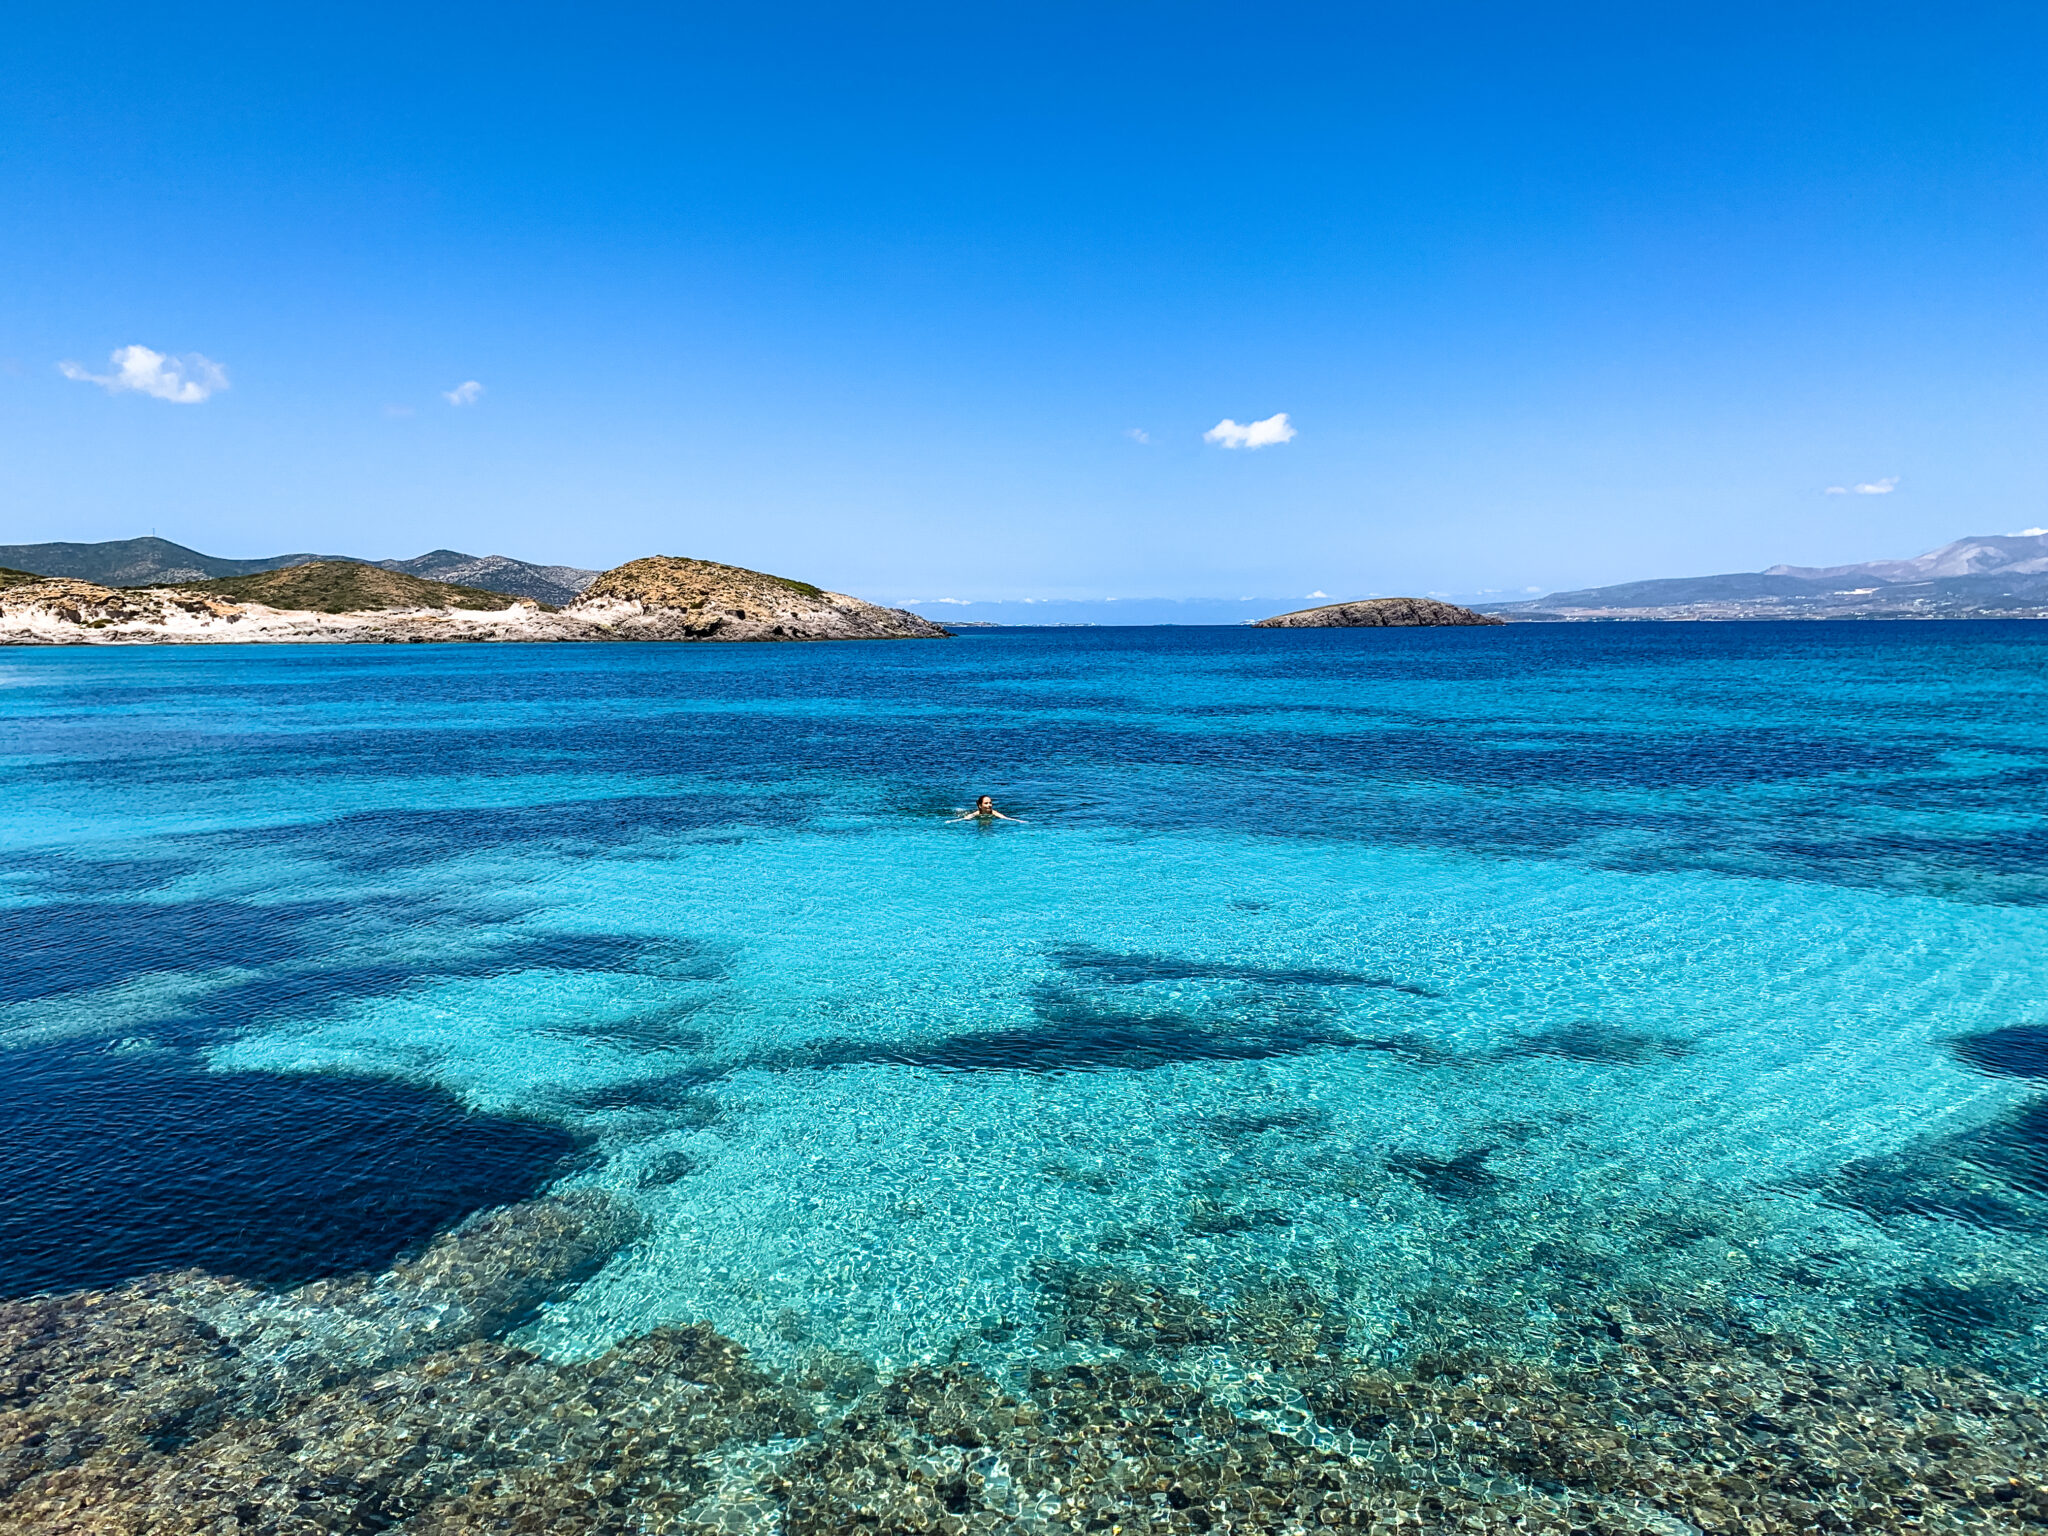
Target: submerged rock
{"x":130,"y":1413}
{"x":2017,"y":1050}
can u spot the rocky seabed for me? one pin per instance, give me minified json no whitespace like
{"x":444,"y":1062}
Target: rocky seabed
{"x":189,"y":1403}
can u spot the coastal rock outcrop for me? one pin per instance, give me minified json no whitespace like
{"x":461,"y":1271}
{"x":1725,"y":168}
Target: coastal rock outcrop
{"x":666,"y":597}
{"x":1378,"y":612}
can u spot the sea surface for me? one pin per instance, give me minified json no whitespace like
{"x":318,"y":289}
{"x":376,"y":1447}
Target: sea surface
{"x":1467,"y":982}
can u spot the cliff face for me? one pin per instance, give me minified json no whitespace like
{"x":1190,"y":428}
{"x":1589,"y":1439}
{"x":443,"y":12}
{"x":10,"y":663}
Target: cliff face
{"x":665,"y":597}
{"x":1376,"y":612}
{"x":333,"y":602}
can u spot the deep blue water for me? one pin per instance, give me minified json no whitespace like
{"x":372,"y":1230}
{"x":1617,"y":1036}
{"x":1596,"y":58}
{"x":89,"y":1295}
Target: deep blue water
{"x":1487,"y":963}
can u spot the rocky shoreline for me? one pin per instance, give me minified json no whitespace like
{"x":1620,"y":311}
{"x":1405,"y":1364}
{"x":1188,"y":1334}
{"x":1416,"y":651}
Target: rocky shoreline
{"x":662,"y":598}
{"x":188,"y":1403}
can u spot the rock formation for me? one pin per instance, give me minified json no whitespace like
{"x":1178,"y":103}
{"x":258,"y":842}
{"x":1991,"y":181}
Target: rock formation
{"x":335,"y":601}
{"x":665,"y":597}
{"x":1376,"y":612}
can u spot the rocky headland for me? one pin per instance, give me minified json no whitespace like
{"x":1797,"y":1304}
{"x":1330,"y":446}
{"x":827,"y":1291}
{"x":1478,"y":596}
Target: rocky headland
{"x":346,"y":601}
{"x":1376,"y":613}
{"x":667,"y":598}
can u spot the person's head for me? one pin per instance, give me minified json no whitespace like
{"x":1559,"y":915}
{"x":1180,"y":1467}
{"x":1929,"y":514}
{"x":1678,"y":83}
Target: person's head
{"x":985,"y":803}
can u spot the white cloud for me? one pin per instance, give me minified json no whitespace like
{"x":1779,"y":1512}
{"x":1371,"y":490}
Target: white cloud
{"x":1315,"y":594}
{"x":1253,"y":434}
{"x":1882,"y":487}
{"x":1137,"y":434}
{"x":465,"y":393}
{"x":183,"y":380}
{"x":2028,"y":533}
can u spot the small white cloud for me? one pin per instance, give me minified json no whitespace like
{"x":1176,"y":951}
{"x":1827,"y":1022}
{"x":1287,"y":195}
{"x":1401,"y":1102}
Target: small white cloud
{"x":1252,"y":434}
{"x":1137,"y":434}
{"x":1315,"y":594}
{"x":468,"y":392}
{"x":2028,"y":533}
{"x":183,"y":380}
{"x":1882,"y":487}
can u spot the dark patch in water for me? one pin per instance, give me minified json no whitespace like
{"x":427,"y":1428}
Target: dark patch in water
{"x":316,"y":986}
{"x":1463,"y":1177}
{"x":1993,"y":1177}
{"x":1077,"y":1038}
{"x":676,"y":1093}
{"x":117,"y":1165}
{"x":1959,"y":1316}
{"x":1305,"y":1123}
{"x":1587,"y":1040}
{"x":1210,"y":1220}
{"x":666,"y":1168}
{"x":70,"y":946}
{"x":1119,"y":970}
{"x":658,"y":1034}
{"x":58,"y":874}
{"x":1418,"y":1050}
{"x":375,"y":842}
{"x":2018,"y":1050}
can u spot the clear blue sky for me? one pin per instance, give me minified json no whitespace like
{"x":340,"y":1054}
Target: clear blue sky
{"x":876,"y":296}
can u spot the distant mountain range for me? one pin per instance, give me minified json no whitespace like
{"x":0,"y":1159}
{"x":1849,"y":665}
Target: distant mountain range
{"x":1985,"y":576}
{"x":154,"y":562}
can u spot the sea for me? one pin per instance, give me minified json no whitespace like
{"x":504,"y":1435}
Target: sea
{"x":1524,"y":996}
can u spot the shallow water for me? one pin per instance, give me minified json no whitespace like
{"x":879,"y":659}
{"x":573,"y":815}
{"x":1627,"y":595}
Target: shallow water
{"x":1463,"y":980}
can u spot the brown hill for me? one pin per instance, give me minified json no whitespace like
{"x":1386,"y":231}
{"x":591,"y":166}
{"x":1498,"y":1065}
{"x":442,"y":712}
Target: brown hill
{"x":1378,"y":612}
{"x":673,"y":581}
{"x":345,"y":586}
{"x":668,"y":597}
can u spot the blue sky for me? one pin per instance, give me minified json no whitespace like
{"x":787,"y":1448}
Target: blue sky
{"x":937,"y":302}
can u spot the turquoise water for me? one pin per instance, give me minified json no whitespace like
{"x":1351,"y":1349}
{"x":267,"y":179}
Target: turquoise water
{"x":1459,"y":976}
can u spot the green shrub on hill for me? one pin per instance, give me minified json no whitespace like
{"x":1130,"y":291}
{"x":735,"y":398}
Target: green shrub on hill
{"x":344,"y":586}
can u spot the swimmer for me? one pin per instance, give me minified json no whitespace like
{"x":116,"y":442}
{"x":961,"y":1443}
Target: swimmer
{"x":984,"y":810}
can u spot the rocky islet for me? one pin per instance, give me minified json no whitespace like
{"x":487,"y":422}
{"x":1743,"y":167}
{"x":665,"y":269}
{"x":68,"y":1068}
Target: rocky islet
{"x":1379,"y":613}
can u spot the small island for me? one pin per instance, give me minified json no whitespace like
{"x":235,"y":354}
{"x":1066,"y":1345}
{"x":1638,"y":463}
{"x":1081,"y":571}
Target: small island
{"x":1377,"y":613}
